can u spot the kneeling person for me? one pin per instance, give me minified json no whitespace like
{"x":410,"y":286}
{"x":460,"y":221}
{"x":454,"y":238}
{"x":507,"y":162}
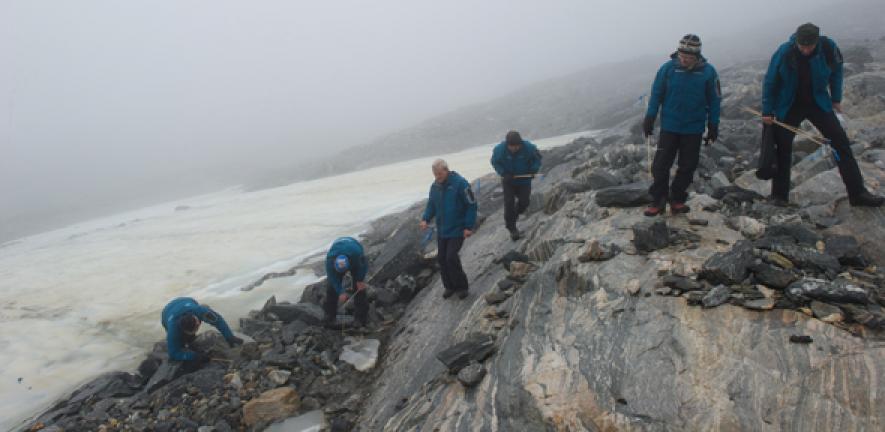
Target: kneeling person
{"x":182,"y":318}
{"x":346,"y":255}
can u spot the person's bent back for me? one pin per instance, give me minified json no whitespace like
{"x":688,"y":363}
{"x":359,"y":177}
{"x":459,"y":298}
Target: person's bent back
{"x":181,"y":318}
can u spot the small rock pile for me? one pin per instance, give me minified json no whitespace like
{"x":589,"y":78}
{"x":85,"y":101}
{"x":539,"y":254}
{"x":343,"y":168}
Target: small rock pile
{"x":791,"y":266}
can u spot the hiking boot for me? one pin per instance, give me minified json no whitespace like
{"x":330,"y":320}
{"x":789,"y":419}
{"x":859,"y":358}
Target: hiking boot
{"x":778,"y":201}
{"x":447,"y":293}
{"x":678,"y":207}
{"x":515,"y":235}
{"x":463,"y":294}
{"x":654,"y":210}
{"x":866,"y":199}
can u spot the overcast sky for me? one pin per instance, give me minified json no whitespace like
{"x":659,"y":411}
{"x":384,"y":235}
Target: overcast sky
{"x":104,"y":99}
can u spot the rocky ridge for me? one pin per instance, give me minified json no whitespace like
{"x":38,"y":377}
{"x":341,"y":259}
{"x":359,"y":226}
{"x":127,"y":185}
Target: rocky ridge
{"x":739,"y":316}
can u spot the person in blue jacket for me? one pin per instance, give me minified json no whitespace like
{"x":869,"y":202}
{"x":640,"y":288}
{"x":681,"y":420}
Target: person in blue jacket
{"x":453,"y":205}
{"x":515,"y":157}
{"x":801,"y":72}
{"x":346,"y":255}
{"x":687,"y":92}
{"x":181,"y":318}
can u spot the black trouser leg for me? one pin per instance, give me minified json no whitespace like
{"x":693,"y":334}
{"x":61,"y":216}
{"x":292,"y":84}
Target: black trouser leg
{"x":361,"y":307}
{"x":516,"y":201}
{"x":441,"y":245}
{"x":509,"y":205}
{"x":451,"y":271}
{"x":524,"y":196}
{"x":689,"y":154}
{"x":330,"y":303}
{"x":780,"y":183}
{"x":828,"y":125}
{"x":668,"y":145}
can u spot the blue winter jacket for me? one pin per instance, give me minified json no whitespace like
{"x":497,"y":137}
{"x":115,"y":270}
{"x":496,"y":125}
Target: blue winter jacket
{"x":353,"y":250}
{"x":453,"y":205}
{"x":180,"y":307}
{"x":782,"y":78}
{"x":690,"y":98}
{"x":526,"y":161}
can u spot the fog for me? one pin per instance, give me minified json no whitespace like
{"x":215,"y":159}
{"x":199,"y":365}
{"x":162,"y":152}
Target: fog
{"x":109,"y":105}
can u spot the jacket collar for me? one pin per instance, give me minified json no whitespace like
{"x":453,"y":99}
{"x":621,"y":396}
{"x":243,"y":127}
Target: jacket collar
{"x":702,"y":61}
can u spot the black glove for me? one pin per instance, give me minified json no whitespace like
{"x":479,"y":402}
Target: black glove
{"x":235,"y":341}
{"x":712,"y":133}
{"x":507,"y":178}
{"x":648,"y":126}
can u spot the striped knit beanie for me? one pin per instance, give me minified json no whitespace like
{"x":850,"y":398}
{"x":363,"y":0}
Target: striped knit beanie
{"x":690,"y":44}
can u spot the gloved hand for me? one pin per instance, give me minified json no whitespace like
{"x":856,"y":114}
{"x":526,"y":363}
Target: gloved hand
{"x":712,"y":133}
{"x":507,"y":178}
{"x":235,"y":341}
{"x":648,"y":126}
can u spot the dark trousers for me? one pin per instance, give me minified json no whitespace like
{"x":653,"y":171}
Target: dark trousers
{"x":829,"y":127}
{"x":688,"y":148}
{"x":450,"y":269}
{"x":360,"y":305}
{"x":514,"y":193}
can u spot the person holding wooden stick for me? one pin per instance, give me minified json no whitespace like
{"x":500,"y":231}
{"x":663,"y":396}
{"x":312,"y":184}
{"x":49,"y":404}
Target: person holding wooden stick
{"x":804,"y":81}
{"x":516,"y":161}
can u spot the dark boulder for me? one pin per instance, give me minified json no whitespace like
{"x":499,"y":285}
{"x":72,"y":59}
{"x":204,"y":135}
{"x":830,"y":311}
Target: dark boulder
{"x":109,"y":385}
{"x":772,"y":276}
{"x":629,"y":195}
{"x":650,"y":235}
{"x":717,"y":296}
{"x":510,"y":257}
{"x":306,"y":312}
{"x":472,"y":374}
{"x":149,"y":365}
{"x":735,"y":195}
{"x":385,"y":296}
{"x":292,"y":330}
{"x":730,"y":267}
{"x":682,"y":283}
{"x":807,"y":258}
{"x":477,"y":347}
{"x":256,"y":328}
{"x":799,"y":232}
{"x":600,"y":179}
{"x":846,"y":249}
{"x":314,"y":293}
{"x":805,"y":290}
{"x":165,"y":374}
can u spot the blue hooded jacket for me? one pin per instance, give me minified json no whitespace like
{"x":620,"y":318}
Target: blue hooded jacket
{"x":453,"y":205}
{"x":353,"y":250}
{"x":180,"y":307}
{"x":690,"y":98}
{"x":782,"y":78}
{"x":526,"y":161}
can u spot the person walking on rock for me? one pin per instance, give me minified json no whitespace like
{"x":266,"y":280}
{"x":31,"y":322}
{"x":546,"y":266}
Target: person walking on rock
{"x":452,"y":203}
{"x":804,"y":81}
{"x":346,"y":255}
{"x":516,"y":161}
{"x":686,"y":90}
{"x":182,"y":318}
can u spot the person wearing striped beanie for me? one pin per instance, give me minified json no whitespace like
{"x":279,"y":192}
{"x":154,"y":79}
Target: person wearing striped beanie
{"x":686,"y":91}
